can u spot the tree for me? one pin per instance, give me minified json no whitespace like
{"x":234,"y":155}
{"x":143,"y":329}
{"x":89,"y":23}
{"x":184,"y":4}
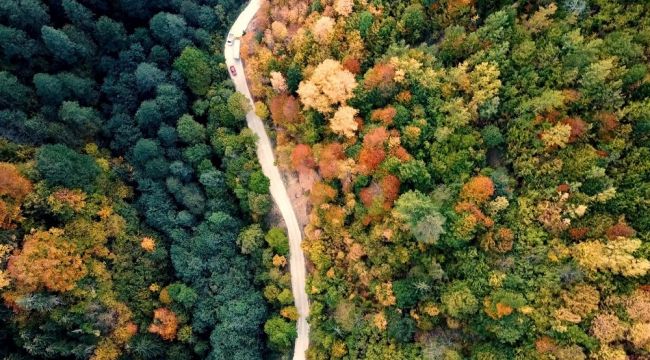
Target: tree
{"x":401,"y":328}
{"x":195,"y":66}
{"x":343,"y":7}
{"x":84,"y":121}
{"x":238,"y":105}
{"x":148,"y":77}
{"x":171,"y":101}
{"x":251,"y":239}
{"x":110,"y":35}
{"x":323,"y":29}
{"x":62,"y":166}
{"x":13,"y":190}
{"x":190,"y":131}
{"x":458,"y":300}
{"x":413,"y":23}
{"x":422,"y":215}
{"x":13,"y":94}
{"x":330,"y":84}
{"x":165,"y":324}
{"x":183,"y":294}
{"x":479,"y":189}
{"x":285,"y":110}
{"x":79,"y":15}
{"x":278,"y":241}
{"x":372,"y":153}
{"x":613,"y":256}
{"x":492,"y":136}
{"x":60,"y":46}
{"x":46,"y":261}
{"x":168,"y":28}
{"x":343,"y":122}
{"x":281,"y":333}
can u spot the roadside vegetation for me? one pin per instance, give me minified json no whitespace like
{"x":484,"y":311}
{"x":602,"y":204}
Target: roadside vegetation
{"x":132,"y":205}
{"x":481,"y":171}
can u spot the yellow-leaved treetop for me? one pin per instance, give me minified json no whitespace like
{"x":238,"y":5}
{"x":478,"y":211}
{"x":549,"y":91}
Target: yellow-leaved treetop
{"x":343,"y":7}
{"x":278,"y":82}
{"x":614,"y":256}
{"x":323,"y":29}
{"x":329,"y":85}
{"x":279,"y":30}
{"x":343,"y":122}
{"x":46,"y":261}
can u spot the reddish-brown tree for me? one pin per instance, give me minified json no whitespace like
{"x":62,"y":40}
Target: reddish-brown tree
{"x":478,"y":189}
{"x":621,"y":229}
{"x":302,"y":159}
{"x":372,"y":153}
{"x":329,"y":157}
{"x":578,"y":128}
{"x":380,"y":77}
{"x":352,"y":65}
{"x":164,"y":324}
{"x":385,"y":115}
{"x":285,"y":109}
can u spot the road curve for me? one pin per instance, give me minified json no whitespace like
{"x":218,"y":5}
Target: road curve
{"x":278,"y":189}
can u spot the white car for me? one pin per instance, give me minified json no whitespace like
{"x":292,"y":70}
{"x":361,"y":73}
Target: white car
{"x":230,"y":39}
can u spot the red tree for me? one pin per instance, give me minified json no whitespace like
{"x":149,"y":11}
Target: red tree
{"x":385,"y":115}
{"x":578,"y":128}
{"x":285,"y":109}
{"x":302,"y":159}
{"x":329,"y":157}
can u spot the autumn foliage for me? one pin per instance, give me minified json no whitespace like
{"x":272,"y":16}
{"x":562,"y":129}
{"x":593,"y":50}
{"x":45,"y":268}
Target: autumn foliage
{"x":285,"y":110}
{"x":380,"y":77}
{"x":46,"y":261}
{"x":321,"y":193}
{"x":164,"y":324}
{"x":578,"y":128}
{"x":329,"y":158}
{"x":384,"y":116}
{"x":478,"y":189}
{"x":621,"y":229}
{"x":372,"y":153}
{"x":302,"y":158}
{"x":13,"y":190}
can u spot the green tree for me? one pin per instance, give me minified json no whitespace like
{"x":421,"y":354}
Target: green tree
{"x":238,"y":105}
{"x":189,"y":130}
{"x":62,"y":166}
{"x":195,"y":66}
{"x":281,"y":333}
{"x":458,"y":300}
{"x":278,"y":241}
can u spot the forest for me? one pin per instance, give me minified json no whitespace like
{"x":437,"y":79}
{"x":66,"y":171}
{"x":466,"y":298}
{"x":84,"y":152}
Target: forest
{"x":132,"y":206}
{"x":478,"y":177}
{"x":480,"y":173}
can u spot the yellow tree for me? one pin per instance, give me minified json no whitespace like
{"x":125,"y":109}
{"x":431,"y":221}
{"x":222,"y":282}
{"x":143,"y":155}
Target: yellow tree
{"x":330,"y":84}
{"x":343,"y":123}
{"x":47,"y":260}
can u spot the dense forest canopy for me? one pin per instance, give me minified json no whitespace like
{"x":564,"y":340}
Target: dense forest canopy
{"x":480,"y":169}
{"x":131,"y":201}
{"x":477,"y":175}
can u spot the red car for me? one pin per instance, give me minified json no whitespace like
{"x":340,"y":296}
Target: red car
{"x":233,"y":70}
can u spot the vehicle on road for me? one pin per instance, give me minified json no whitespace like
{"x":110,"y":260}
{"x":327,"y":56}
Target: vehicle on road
{"x":230,"y":39}
{"x":233,"y":70}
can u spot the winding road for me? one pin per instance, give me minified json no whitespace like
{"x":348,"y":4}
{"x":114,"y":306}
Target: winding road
{"x":278,"y":189}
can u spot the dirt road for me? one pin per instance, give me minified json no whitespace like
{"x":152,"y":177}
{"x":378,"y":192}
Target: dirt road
{"x":278,"y":189}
